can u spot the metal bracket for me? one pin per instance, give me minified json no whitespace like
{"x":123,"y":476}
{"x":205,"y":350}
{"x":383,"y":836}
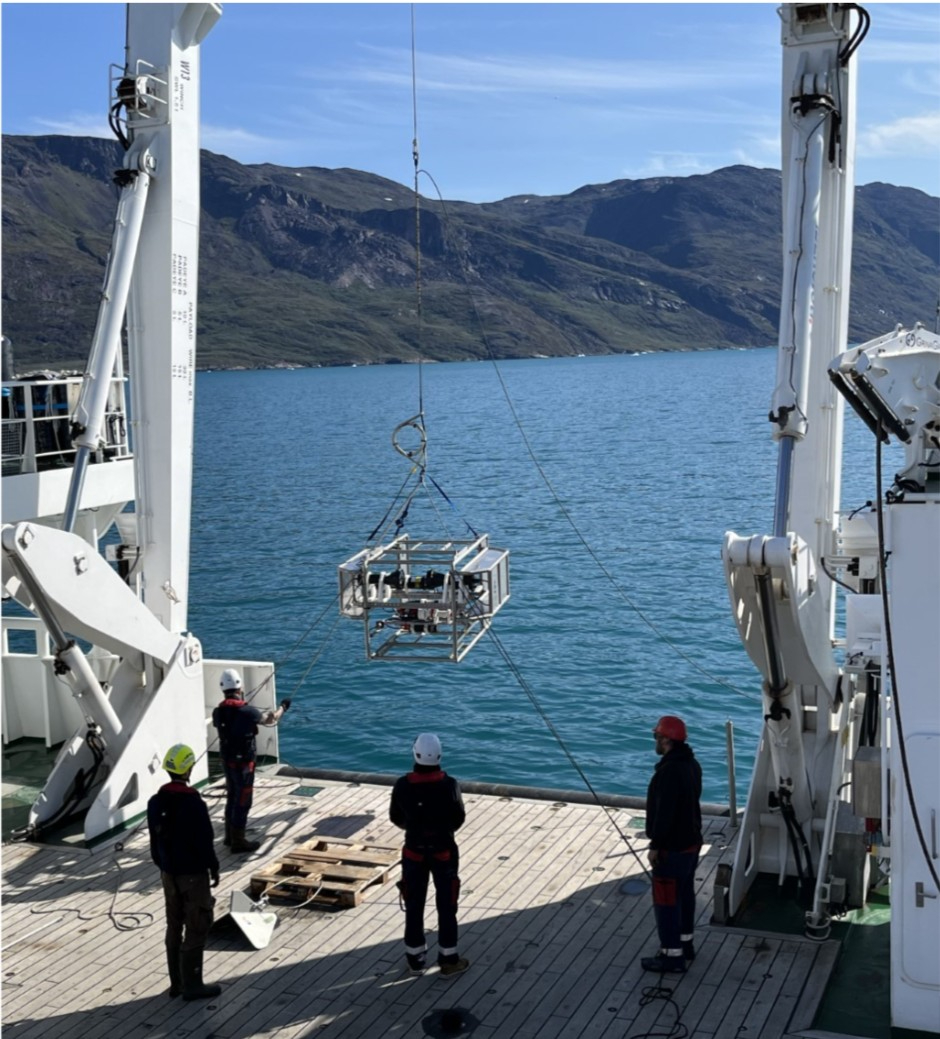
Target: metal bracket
{"x":920,"y":894}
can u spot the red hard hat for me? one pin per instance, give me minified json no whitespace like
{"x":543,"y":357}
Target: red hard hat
{"x":671,"y":727}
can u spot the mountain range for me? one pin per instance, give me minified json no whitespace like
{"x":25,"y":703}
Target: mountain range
{"x":307,"y":266}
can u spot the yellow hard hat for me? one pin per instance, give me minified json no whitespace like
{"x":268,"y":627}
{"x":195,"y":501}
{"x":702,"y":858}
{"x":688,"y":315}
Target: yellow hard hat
{"x":179,"y":759}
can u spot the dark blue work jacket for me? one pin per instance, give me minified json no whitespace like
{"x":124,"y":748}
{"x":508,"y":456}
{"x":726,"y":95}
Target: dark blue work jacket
{"x":237,"y":722}
{"x":428,"y":806}
{"x":181,"y":838}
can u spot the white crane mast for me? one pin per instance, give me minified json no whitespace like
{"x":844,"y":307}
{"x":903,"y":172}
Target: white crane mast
{"x":782,"y":599}
{"x":848,"y":765}
{"x":163,"y":54}
{"x":143,"y":687}
{"x":818,"y":163}
{"x":152,"y":276}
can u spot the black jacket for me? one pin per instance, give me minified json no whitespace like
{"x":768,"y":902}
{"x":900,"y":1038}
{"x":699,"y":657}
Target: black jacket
{"x":237,"y":722}
{"x":428,"y":806}
{"x":673,"y":811}
{"x":181,"y":838}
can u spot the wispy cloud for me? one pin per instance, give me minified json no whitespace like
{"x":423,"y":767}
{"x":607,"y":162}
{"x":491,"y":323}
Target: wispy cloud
{"x":910,"y":135}
{"x":247,"y":146}
{"x":907,"y":18}
{"x":76,"y":125}
{"x":545,"y":74}
{"x":921,"y":81}
{"x":901,"y":52}
{"x":672,"y":164}
{"x":241,"y":144}
{"x":762,"y":152}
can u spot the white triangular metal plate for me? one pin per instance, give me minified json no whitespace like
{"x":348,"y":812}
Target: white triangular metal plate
{"x":255,"y":924}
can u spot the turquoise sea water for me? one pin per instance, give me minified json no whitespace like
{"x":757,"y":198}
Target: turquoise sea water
{"x":653,"y":456}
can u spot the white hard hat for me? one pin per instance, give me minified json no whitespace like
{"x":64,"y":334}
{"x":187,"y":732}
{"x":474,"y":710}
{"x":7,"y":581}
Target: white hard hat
{"x":427,"y":749}
{"x":231,"y":679}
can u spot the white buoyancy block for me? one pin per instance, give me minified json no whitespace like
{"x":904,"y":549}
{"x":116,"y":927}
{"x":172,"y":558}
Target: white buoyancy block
{"x":256,"y":924}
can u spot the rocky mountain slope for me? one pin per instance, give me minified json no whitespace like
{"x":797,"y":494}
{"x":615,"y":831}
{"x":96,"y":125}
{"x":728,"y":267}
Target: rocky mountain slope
{"x":316,"y":266}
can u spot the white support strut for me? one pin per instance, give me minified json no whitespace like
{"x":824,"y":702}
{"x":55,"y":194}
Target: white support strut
{"x":88,"y":419}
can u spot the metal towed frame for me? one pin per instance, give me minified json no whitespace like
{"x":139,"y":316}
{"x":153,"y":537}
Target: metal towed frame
{"x":424,"y":600}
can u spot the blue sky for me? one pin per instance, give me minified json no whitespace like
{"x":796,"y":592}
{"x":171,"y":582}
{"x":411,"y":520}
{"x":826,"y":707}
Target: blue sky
{"x":512,"y":98}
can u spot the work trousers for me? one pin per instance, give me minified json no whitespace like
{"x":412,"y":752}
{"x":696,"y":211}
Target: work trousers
{"x":674,"y":896}
{"x":417,"y":867}
{"x":189,"y":905}
{"x":239,"y":792}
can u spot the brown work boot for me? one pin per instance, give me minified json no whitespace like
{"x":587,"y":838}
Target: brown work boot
{"x":241,"y":844}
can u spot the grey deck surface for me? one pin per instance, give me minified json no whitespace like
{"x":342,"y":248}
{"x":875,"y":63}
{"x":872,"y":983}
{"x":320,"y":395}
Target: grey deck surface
{"x":554,"y":943}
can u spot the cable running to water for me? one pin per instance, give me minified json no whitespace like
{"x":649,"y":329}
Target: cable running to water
{"x":561,"y":505}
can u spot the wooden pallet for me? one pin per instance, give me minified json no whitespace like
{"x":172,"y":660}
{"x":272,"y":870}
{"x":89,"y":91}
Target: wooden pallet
{"x":330,"y":871}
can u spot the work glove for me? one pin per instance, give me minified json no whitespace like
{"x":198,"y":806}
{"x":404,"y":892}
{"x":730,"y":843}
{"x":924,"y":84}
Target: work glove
{"x":285,"y":703}
{"x":213,"y":878}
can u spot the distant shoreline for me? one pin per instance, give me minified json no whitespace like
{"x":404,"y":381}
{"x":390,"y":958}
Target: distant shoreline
{"x":74,"y":369}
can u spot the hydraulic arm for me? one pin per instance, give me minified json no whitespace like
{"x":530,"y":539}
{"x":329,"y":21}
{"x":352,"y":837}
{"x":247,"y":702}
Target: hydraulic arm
{"x":782,"y":598}
{"x":848,"y":766}
{"x":141,"y":688}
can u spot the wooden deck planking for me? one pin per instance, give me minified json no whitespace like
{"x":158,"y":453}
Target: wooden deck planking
{"x":538,"y":1000}
{"x":814,"y":986}
{"x":511,"y":939}
{"x":788,"y":1011}
{"x":770,"y":999}
{"x":496,"y":881}
{"x":553,"y":942}
{"x":736,"y":993}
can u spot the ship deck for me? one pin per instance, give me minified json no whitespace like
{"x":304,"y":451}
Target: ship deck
{"x":553,"y":938}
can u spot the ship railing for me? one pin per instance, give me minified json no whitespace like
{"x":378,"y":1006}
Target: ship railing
{"x":36,"y":702}
{"x":36,"y":424}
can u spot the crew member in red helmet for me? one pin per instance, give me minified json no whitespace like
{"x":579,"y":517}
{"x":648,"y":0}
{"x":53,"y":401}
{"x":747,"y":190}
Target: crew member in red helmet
{"x":674,"y":828}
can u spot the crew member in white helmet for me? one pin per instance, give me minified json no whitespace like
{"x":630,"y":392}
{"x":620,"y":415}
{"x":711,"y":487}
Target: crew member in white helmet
{"x":427,"y":805}
{"x":237,"y":722}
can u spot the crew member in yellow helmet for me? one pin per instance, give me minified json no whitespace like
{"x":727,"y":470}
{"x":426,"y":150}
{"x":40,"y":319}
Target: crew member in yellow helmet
{"x":181,"y":844}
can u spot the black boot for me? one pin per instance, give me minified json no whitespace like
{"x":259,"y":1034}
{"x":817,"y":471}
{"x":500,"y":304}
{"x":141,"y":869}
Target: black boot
{"x":227,"y":839}
{"x":191,"y":968}
{"x":241,"y":844}
{"x":662,"y":962}
{"x":173,"y":968}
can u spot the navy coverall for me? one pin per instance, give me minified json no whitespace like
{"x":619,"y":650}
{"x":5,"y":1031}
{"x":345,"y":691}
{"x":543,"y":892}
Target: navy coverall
{"x":237,"y":722}
{"x":674,"y":828}
{"x":428,"y":806}
{"x":181,"y":844}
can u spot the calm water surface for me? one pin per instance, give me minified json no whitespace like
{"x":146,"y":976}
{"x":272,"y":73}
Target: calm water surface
{"x":654,"y":457}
